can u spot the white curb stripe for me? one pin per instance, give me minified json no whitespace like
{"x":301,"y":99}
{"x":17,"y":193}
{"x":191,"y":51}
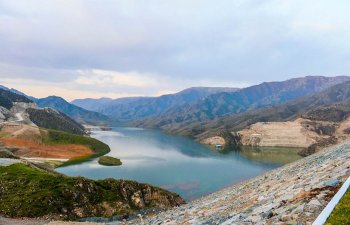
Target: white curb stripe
{"x":326,"y":212}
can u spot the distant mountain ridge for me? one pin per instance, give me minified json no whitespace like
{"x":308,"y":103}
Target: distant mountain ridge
{"x":224,"y":104}
{"x":133,"y":108}
{"x":332,"y":104}
{"x":77,"y":113}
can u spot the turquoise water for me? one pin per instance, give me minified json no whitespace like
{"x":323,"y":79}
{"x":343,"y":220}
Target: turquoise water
{"x":176,"y":163}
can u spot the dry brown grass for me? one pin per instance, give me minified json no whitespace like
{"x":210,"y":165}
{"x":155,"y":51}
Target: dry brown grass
{"x":30,"y":148}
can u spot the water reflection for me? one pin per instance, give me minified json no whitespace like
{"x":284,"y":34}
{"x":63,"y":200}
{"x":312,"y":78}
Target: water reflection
{"x":276,"y":155}
{"x":176,"y":163}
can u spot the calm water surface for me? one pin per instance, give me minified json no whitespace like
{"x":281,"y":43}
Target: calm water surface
{"x":178,"y":164}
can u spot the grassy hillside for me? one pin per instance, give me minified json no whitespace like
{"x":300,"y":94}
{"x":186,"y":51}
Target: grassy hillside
{"x":26,"y":191}
{"x":59,"y":137}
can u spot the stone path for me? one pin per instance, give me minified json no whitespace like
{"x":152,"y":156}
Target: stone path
{"x":293,"y":194}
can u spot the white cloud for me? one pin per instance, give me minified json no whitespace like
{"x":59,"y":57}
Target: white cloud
{"x":65,"y":90}
{"x":166,"y":46}
{"x":112,"y":78}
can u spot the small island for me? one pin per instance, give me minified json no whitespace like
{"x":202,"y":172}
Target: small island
{"x":109,"y":161}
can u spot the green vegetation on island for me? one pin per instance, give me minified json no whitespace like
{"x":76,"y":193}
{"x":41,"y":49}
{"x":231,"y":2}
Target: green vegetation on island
{"x":27,"y":191}
{"x":109,"y":161}
{"x":341,"y":212}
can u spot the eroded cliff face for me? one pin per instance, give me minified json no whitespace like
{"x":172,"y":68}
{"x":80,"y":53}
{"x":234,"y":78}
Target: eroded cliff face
{"x":17,"y":113}
{"x":278,"y":134}
{"x":311,"y":135}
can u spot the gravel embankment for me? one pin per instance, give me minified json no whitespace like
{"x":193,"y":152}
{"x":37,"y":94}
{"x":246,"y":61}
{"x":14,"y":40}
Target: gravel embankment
{"x":293,"y":194}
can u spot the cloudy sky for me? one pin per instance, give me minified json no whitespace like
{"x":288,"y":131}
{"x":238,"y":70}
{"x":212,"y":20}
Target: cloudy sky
{"x":116,"y":48}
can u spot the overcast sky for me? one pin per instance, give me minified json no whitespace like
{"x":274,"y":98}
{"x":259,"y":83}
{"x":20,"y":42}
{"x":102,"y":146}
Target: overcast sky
{"x":82,"y":48}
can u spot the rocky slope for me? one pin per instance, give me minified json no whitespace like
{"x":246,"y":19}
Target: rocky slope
{"x":55,"y":196}
{"x":279,"y":134}
{"x":53,"y":119}
{"x":293,"y":194}
{"x":311,"y":135}
{"x":20,"y":109}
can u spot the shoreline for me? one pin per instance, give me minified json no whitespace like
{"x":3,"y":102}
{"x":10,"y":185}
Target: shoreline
{"x":245,"y":201}
{"x":295,"y":192}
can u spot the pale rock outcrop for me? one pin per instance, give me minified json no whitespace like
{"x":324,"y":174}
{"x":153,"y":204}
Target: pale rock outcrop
{"x":216,"y":140}
{"x":279,"y":134}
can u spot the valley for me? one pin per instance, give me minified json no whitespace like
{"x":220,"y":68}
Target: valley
{"x":174,"y":112}
{"x":255,"y":130}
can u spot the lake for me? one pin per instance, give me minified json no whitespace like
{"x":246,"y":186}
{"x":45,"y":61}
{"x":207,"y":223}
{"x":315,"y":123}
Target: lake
{"x":178,"y":164}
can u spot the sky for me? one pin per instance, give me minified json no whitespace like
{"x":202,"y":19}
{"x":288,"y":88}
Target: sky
{"x":117,"y":48}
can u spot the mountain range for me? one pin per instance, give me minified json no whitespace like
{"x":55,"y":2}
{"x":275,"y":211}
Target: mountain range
{"x":75,"y":112}
{"x":134,"y":108}
{"x":202,"y":111}
{"x":55,"y":102}
{"x":224,"y":104}
{"x":331,"y":104}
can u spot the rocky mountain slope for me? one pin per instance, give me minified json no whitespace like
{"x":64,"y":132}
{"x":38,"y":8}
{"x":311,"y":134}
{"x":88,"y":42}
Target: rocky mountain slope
{"x":323,"y":120}
{"x":254,"y":97}
{"x":18,"y":108}
{"x":129,"y":109}
{"x":75,"y":112}
{"x":7,"y":98}
{"x":53,"y":119}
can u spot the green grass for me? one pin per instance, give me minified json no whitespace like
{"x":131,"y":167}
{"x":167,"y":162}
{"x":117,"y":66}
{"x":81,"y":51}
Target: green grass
{"x":109,"y":161}
{"x":60,"y":137}
{"x":341,"y":213}
{"x":26,"y":191}
{"x":4,"y":135}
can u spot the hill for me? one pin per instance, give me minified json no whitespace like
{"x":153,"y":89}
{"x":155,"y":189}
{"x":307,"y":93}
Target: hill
{"x":28,"y":191}
{"x":229,"y":104}
{"x":133,"y":108}
{"x":33,"y":142}
{"x":53,"y":119}
{"x":75,"y":112}
{"x":20,"y":109}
